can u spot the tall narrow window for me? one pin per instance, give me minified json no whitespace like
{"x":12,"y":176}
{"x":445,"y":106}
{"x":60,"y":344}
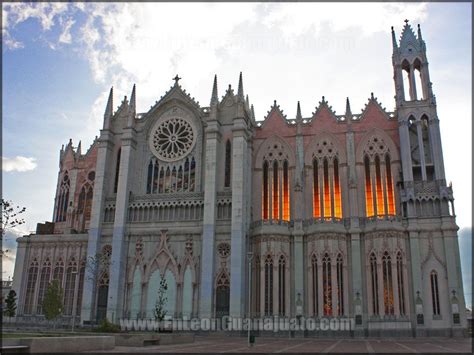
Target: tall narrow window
{"x":369,"y":201}
{"x":156,"y":168}
{"x":228,"y":157}
{"x":161,"y":179}
{"x":374,"y":284}
{"x":327,"y":286}
{"x":327,"y":190}
{"x":286,"y":192}
{"x":88,"y":204}
{"x":314,"y":278}
{"x":390,"y":193}
{"x":269,"y":286}
{"x":401,"y":286}
{"x":192,"y":175}
{"x":149,"y":179}
{"x":69,"y":290}
{"x":43,"y":286}
{"x":168,"y":180}
{"x":179,"y":184}
{"x":426,"y":141}
{"x":316,"y":202}
{"x":59,"y":273}
{"x":80,"y":290}
{"x":275,"y":192}
{"x":379,"y":188}
{"x":63,"y":199}
{"x":337,"y":191}
{"x":30,"y":288}
{"x":435,"y":293}
{"x":265,"y":191}
{"x":281,"y":286}
{"x":387,"y":284}
{"x":340,"y":286}
{"x":117,"y":170}
{"x":257,"y":285}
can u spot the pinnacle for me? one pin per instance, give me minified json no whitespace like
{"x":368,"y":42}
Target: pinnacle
{"x":214,"y":97}
{"x":298,"y":112}
{"x":240,"y":91}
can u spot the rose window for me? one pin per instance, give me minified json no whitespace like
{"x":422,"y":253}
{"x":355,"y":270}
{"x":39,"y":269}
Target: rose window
{"x":223,"y":249}
{"x":172,"y":139}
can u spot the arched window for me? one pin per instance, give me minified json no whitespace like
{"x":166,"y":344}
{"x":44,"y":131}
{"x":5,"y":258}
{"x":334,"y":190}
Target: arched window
{"x":117,"y":170}
{"x":281,"y":286}
{"x":43,"y":285}
{"x":369,"y":200}
{"x":327,"y":286}
{"x":227,"y":169}
{"x":417,"y":80}
{"x":63,"y":198}
{"x":69,"y":288}
{"x":179,"y":185}
{"x":192,"y":175}
{"x":275,"y":192}
{"x":337,"y":191}
{"x":59,"y":272}
{"x":379,"y":188}
{"x":30,"y":287}
{"x":387,"y":284}
{"x":316,"y":198}
{"x":407,"y":83}
{"x":82,"y":271}
{"x":401,"y":285}
{"x":435,"y":293}
{"x":390,"y":193}
{"x":327,"y":189}
{"x":268,"y":285}
{"x":257,"y":285}
{"x":374,"y":284}
{"x":314,"y":278}
{"x":85,"y":201}
{"x":265,"y":191}
{"x":286,"y":192}
{"x":340,"y":285}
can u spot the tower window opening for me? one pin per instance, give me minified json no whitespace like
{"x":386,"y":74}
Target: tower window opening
{"x":314,"y":274}
{"x":390,"y":193}
{"x":379,"y":188}
{"x":327,"y":190}
{"x":340,"y":286}
{"x":286,"y":192}
{"x":337,"y":191}
{"x":275,"y":192}
{"x":265,"y":191}
{"x":369,"y":201}
{"x":374,"y":284}
{"x":228,"y":157}
{"x":117,"y":170}
{"x":327,"y":285}
{"x":387,"y":284}
{"x":268,"y":285}
{"x":401,"y":286}
{"x":435,"y":293}
{"x":316,"y":201}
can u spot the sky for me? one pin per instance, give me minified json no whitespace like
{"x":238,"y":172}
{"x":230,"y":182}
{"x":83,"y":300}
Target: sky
{"x":60,"y":60}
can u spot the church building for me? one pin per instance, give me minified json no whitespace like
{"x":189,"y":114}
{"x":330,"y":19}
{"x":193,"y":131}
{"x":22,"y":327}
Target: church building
{"x":332,"y":215}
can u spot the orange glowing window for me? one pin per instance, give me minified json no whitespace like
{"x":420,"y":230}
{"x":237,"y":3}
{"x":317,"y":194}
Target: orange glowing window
{"x":390,"y":194}
{"x":369,"y":201}
{"x":286,"y":193}
{"x":337,"y":191}
{"x":265,"y":191}
{"x":379,"y":188}
{"x":275,"y":192}
{"x":316,"y":202}
{"x":327,"y":191}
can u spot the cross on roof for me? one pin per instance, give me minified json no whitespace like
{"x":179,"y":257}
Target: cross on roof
{"x":176,"y":79}
{"x":406,"y":21}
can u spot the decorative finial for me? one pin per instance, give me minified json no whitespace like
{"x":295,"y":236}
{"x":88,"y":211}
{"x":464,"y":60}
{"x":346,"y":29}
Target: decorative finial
{"x":406,"y":21}
{"x":240,"y":91}
{"x":176,"y":79}
{"x":214,"y":97}
{"x":299,"y":117}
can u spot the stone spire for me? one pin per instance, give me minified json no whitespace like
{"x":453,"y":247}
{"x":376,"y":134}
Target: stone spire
{"x":348,"y":108}
{"x":247,"y":101}
{"x":214,"y":97}
{"x":133,"y":102}
{"x":299,"y":117}
{"x":253,"y":111}
{"x":109,"y":109}
{"x":240,"y":91}
{"x":79,"y":149}
{"x":394,"y":39}
{"x":420,"y":38}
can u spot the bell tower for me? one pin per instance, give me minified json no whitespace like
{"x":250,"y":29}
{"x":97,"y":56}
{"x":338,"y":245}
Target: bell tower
{"x":420,"y":139}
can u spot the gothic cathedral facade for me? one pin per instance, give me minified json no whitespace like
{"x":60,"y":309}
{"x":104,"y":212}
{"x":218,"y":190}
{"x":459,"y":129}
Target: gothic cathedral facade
{"x":335,"y":215}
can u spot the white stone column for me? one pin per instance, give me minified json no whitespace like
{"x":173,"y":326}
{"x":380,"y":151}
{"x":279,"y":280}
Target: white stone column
{"x":95,"y":225}
{"x":238,"y":225}
{"x":206,"y":302}
{"x":119,"y":248}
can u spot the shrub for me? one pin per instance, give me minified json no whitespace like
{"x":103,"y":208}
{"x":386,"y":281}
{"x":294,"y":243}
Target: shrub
{"x":107,"y":327}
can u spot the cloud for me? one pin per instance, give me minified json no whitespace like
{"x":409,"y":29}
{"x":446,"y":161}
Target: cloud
{"x":19,"y":163}
{"x":65,"y":36}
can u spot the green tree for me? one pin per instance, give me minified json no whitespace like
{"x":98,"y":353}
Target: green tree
{"x":53,"y":301}
{"x":10,"y":218}
{"x":10,"y":310}
{"x":160,"y":311}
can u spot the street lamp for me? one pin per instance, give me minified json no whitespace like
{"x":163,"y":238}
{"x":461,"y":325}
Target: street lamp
{"x":74,"y":305}
{"x":249,"y":258}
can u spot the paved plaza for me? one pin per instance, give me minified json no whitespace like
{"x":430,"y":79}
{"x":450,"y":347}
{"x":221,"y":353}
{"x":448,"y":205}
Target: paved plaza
{"x":224,"y":344}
